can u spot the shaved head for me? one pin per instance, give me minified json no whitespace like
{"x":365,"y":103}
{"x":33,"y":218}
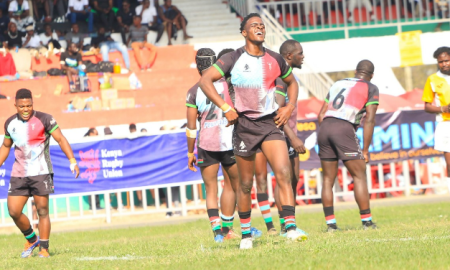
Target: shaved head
{"x":365,"y":67}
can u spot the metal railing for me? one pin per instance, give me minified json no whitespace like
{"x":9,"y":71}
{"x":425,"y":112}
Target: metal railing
{"x":315,"y":16}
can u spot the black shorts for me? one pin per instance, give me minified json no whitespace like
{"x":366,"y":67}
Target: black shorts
{"x":291,"y":150}
{"x":248,"y":135}
{"x":31,"y":185}
{"x":208,"y":158}
{"x":337,"y":140}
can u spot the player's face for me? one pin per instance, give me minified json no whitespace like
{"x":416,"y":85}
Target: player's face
{"x":24,"y":108}
{"x":297,"y":56}
{"x":255,"y":30}
{"x":444,"y":63}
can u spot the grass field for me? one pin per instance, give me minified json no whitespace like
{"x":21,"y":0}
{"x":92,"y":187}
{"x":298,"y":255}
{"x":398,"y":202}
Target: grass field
{"x":409,"y":237}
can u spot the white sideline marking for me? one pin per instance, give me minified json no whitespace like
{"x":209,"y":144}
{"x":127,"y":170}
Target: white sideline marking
{"x":408,"y":239}
{"x":113,"y":258}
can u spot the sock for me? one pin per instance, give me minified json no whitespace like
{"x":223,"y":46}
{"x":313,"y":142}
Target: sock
{"x":30,"y":235}
{"x":44,"y":244}
{"x":214,"y":219}
{"x":329,"y":216}
{"x":245,"y":224}
{"x":366,"y":216}
{"x":227,"y":223}
{"x":282,"y":225}
{"x":264,"y":206}
{"x":288,"y":213}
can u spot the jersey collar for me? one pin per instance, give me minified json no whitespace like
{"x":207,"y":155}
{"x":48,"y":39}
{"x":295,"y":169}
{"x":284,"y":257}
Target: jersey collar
{"x":20,"y":118}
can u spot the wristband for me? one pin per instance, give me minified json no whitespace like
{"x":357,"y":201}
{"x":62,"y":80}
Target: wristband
{"x":73,"y":161}
{"x":225,"y":107}
{"x":291,"y":104}
{"x":191,"y":133}
{"x":190,"y":155}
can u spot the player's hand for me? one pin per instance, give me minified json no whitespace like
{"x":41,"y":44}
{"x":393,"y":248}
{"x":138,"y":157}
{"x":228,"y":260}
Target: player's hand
{"x":366,"y":156}
{"x":283,"y":115}
{"x":74,"y":168}
{"x":298,"y":146}
{"x":191,"y":161}
{"x":232,"y":117}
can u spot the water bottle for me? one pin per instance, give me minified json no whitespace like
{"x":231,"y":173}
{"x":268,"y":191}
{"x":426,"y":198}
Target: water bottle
{"x":116,"y":67}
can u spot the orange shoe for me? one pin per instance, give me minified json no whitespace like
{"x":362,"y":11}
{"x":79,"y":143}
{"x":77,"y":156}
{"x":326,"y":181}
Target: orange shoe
{"x":43,"y":253}
{"x":231,"y":235}
{"x":28,"y":249}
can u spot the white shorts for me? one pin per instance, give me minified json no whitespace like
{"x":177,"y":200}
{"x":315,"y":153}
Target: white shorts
{"x":442,"y":137}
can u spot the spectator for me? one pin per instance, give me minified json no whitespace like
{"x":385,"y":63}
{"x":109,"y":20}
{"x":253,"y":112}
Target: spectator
{"x":4,"y":5}
{"x":41,"y":10}
{"x":442,"y":13}
{"x":132,"y":128}
{"x":91,"y":133}
{"x":334,"y":5}
{"x":19,"y":13}
{"x":315,"y":8}
{"x":174,"y":20}
{"x":13,"y":37}
{"x":149,"y":18}
{"x":104,"y":12}
{"x":107,"y":131}
{"x":49,"y":39}
{"x":352,"y":5}
{"x":125,"y":19}
{"x":70,"y":60}
{"x":4,"y":21}
{"x":33,"y":43}
{"x":74,"y":36}
{"x":176,"y":202}
{"x":143,"y":130}
{"x":80,"y":11}
{"x":138,"y":37}
{"x":61,"y":8}
{"x":106,"y":43}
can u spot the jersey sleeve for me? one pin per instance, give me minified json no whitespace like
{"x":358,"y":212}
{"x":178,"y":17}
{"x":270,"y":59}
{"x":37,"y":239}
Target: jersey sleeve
{"x":225,"y":64}
{"x":192,"y":96}
{"x":49,"y":122}
{"x":374,"y":95}
{"x":7,"y":135}
{"x":428,"y":94}
{"x":285,"y":69}
{"x":280,"y":87}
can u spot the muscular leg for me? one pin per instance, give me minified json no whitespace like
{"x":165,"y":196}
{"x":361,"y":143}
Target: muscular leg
{"x":295,"y":167}
{"x":209,"y":175}
{"x":44,"y":219}
{"x":228,"y":199}
{"x":261,"y":187}
{"x":246,"y":168}
{"x":330,"y":169}
{"x":15,"y":207}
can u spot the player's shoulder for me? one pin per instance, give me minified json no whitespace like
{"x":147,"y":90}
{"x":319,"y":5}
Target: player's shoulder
{"x":194,"y":89}
{"x":10,"y":119}
{"x":42,"y":115}
{"x":275,"y":55}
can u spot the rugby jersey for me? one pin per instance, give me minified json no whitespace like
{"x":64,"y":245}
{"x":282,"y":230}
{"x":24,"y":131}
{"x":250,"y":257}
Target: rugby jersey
{"x":212,"y":135}
{"x":281,"y":89}
{"x":31,"y":143}
{"x":437,"y":88}
{"x":348,"y":98}
{"x":253,"y":79}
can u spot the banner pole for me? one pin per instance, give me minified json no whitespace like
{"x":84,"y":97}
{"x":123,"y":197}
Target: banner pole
{"x":108,"y":207}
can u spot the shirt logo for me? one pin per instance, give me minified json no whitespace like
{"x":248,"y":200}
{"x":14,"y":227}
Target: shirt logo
{"x":52,"y":122}
{"x":242,"y":145}
{"x":246,"y":68}
{"x":187,"y":98}
{"x":270,"y":66}
{"x":32,"y":126}
{"x":14,"y":130}
{"x":90,"y":161}
{"x":45,"y":183}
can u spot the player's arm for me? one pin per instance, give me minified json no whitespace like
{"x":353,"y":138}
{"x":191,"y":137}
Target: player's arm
{"x":296,"y":143}
{"x":191,"y":134}
{"x":369,"y":124}
{"x":285,"y":112}
{"x":5,"y":149}
{"x":323,"y":111}
{"x":206,"y":84}
{"x":65,"y":147}
{"x":430,"y":108}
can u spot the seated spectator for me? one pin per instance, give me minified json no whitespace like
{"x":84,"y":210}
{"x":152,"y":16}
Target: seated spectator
{"x":4,"y":21}
{"x":143,"y":130}
{"x":61,"y":9}
{"x":125,"y":19}
{"x":352,"y":5}
{"x":4,"y":5}
{"x":174,"y":20}
{"x":33,"y":43}
{"x":41,"y":10}
{"x":138,"y":38}
{"x":106,"y":43}
{"x":107,"y":131}
{"x":49,"y":39}
{"x":105,"y":13}
{"x":132,"y":127}
{"x":149,"y":18}
{"x":13,"y":37}
{"x":74,"y":36}
{"x":79,"y":10}
{"x":70,"y":60}
{"x":19,"y":13}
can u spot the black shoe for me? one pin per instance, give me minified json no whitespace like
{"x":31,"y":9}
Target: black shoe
{"x":369,"y":225}
{"x":333,"y":228}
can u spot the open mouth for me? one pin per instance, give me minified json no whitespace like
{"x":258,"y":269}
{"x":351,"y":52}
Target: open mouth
{"x":25,"y":115}
{"x":259,"y":33}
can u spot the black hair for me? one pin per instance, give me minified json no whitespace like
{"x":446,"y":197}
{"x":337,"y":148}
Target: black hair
{"x":126,"y":1}
{"x":223,"y":52}
{"x":73,"y":24}
{"x":365,"y":67}
{"x":23,"y":94}
{"x":288,"y":46}
{"x":246,"y":18}
{"x":143,"y":129}
{"x":136,"y":16}
{"x":88,"y":133}
{"x":204,"y":59}
{"x":440,"y":51}
{"x":132,"y":126}
{"x":47,"y":24}
{"x":107,"y":131}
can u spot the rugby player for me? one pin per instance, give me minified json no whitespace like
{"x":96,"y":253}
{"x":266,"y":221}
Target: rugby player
{"x":437,"y":89}
{"x":214,"y":148}
{"x":253,"y":70}
{"x":347,"y":102}
{"x":292,"y":52}
{"x":32,"y":172}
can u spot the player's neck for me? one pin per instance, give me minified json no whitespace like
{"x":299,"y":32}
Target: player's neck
{"x":254,"y":49}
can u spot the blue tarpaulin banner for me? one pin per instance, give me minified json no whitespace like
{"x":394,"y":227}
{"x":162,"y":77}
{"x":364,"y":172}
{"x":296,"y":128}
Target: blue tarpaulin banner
{"x":116,"y":164}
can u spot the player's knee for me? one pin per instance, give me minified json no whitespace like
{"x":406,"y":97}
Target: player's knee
{"x":284,"y":176}
{"x":246,"y":187}
{"x":42,"y":212}
{"x":14,"y":213}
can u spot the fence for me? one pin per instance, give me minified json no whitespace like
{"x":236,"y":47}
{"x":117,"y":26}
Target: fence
{"x":392,"y":179}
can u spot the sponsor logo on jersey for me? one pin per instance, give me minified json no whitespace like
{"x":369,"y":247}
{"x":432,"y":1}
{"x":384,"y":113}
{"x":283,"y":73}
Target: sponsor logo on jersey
{"x":246,"y":68}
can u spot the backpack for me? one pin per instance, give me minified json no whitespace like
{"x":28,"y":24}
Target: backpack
{"x":54,"y":72}
{"x":106,"y":66}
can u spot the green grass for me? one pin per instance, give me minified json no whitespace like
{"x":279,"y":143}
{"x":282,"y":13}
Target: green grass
{"x":409,"y":237}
